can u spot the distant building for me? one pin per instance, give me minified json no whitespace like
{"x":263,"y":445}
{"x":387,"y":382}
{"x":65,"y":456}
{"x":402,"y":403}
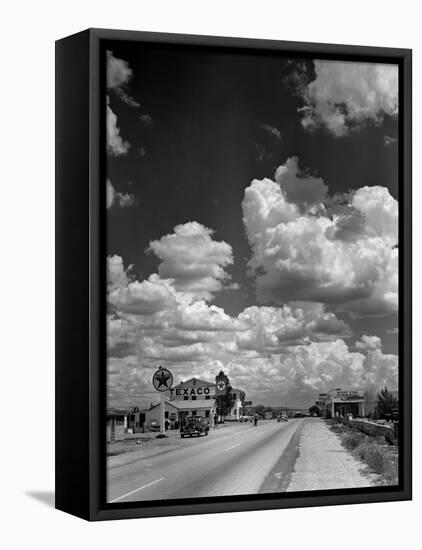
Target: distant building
{"x":116,"y":425}
{"x":338,"y":402}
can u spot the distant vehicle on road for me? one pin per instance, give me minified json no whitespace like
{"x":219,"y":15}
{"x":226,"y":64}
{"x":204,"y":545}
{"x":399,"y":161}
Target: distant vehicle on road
{"x":282,"y":417}
{"x":194,"y":425}
{"x":299,"y":414}
{"x":268,"y":415}
{"x":246,"y":418}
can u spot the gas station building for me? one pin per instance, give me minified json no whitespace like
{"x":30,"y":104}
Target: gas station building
{"x":193,"y":397}
{"x":338,"y":402}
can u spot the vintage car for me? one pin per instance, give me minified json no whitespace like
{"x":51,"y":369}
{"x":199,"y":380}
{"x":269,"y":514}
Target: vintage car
{"x":246,"y":418}
{"x":282,"y":417}
{"x":194,"y":425}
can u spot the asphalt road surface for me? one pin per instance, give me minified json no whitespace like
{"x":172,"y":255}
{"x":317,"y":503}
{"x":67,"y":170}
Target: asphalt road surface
{"x":236,"y":460}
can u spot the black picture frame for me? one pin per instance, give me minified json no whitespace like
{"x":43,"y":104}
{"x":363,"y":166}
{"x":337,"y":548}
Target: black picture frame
{"x":81,"y":279}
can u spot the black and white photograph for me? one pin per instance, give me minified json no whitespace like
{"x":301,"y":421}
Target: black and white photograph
{"x":252,"y":207}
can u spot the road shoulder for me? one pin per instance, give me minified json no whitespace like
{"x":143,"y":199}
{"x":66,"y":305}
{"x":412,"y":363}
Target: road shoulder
{"x":323,"y":463}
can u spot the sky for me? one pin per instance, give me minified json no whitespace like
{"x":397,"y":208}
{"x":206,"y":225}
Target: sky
{"x":252,"y":207}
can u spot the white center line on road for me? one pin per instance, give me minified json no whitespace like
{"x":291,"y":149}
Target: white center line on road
{"x":232,"y":447}
{"x":136,"y":490}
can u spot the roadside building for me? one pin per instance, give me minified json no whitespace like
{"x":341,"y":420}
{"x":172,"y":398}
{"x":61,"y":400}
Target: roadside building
{"x":193,"y":397}
{"x":151,"y":416}
{"x":338,"y":402}
{"x":116,"y":425}
{"x":198,"y":397}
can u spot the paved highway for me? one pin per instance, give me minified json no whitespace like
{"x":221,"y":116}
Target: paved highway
{"x":235,"y":460}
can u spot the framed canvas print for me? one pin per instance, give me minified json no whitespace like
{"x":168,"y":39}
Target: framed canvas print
{"x":233,"y":274}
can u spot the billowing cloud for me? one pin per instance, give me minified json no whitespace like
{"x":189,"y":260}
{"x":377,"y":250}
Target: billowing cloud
{"x":301,"y":250}
{"x":116,"y":146}
{"x":346,"y":95}
{"x":193,"y":260}
{"x":114,"y":197}
{"x":116,"y":274}
{"x":128,"y":384}
{"x":119,"y":74}
{"x":304,"y":192}
{"x":367,"y":342}
{"x":294,"y":350}
{"x":298,"y":377}
{"x":273,"y":329}
{"x":144,"y":298}
{"x":294,"y":378}
{"x":151,"y":322}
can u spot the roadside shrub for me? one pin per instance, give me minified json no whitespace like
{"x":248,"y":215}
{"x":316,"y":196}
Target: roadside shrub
{"x":338,"y":428}
{"x":351,"y":440}
{"x":373,"y":455}
{"x":391,"y":438}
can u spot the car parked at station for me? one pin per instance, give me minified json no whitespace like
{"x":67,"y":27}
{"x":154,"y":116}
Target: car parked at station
{"x":194,"y":425}
{"x":246,"y":418}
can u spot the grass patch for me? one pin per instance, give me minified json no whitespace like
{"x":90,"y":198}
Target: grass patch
{"x":382,"y":459}
{"x":375,"y":452}
{"x":337,"y":427}
{"x":352,"y":439}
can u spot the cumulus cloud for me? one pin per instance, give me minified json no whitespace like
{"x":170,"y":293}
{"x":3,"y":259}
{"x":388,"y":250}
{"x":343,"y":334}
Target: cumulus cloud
{"x":308,"y":370}
{"x":304,"y":192}
{"x":199,"y":331}
{"x":295,"y":377}
{"x":273,"y":329}
{"x":367,"y":342}
{"x":122,"y":199}
{"x":193,"y":260}
{"x":128,"y":384}
{"x":346,"y":95}
{"x":303,"y":251}
{"x":144,"y":298}
{"x":116,"y":274}
{"x":122,"y":335}
{"x":119,"y":74}
{"x":152,"y":322}
{"x":116,"y":146}
{"x":199,"y":316}
{"x":296,"y":349}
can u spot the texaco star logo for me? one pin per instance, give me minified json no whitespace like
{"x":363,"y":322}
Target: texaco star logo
{"x":162,"y":379}
{"x":221,"y":385}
